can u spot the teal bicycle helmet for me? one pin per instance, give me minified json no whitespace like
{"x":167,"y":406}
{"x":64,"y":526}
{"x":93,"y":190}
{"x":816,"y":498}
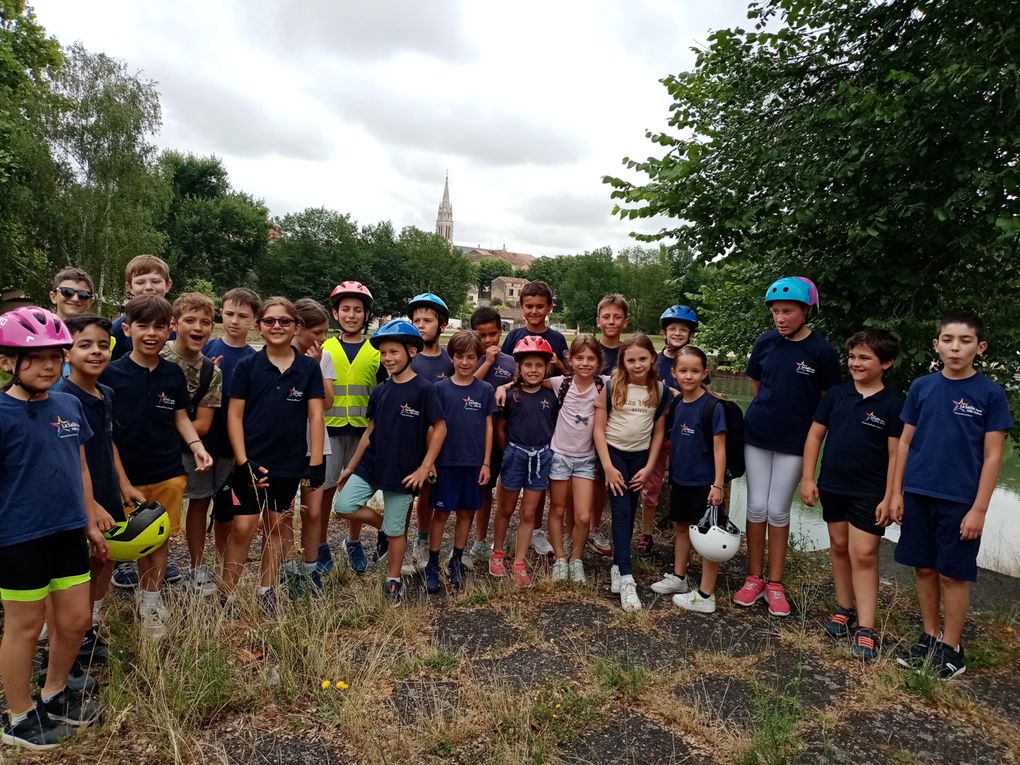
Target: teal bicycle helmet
{"x":400,"y":330}
{"x":428,"y":300}
{"x":679,"y":313}
{"x":799,"y":289}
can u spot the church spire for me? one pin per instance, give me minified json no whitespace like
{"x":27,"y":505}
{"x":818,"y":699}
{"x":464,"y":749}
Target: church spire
{"x":444,"y":220}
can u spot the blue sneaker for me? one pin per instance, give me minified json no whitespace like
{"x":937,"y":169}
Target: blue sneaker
{"x":391,"y":591}
{"x":267,"y":602}
{"x":865,"y":644}
{"x":356,"y":556}
{"x":173,"y":574}
{"x":457,"y":573}
{"x":382,"y":546}
{"x":325,"y":558}
{"x":125,"y":576}
{"x":316,"y":581}
{"x":842,"y":624}
{"x":432,"y":578}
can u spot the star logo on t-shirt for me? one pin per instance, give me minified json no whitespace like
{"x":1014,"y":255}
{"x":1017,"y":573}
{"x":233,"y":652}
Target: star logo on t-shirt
{"x":406,"y":410}
{"x":545,"y":403}
{"x":803,"y":368}
{"x":963,"y":409}
{"x":686,"y":430}
{"x":295,"y":395}
{"x":65,"y":428}
{"x":164,"y":401}
{"x":470,"y":403}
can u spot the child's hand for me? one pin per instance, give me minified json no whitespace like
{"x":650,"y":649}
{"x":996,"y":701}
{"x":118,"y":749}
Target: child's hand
{"x":896,"y":508}
{"x":638,"y":481}
{"x":315,"y":351}
{"x":217,"y":360}
{"x":132,"y":496}
{"x":883,"y":513}
{"x":501,"y":394}
{"x":316,"y":475}
{"x":491,"y":354}
{"x":973,"y":523}
{"x":808,"y":492}
{"x":344,"y":475}
{"x":100,"y":549}
{"x":715,"y":496}
{"x":104,"y":521}
{"x":252,"y":474}
{"x":615,"y":482}
{"x":483,"y":475}
{"x":203,"y":461}
{"x":417,"y":479}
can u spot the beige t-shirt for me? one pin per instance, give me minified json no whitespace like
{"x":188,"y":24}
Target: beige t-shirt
{"x":192,"y":367}
{"x":629,"y":427}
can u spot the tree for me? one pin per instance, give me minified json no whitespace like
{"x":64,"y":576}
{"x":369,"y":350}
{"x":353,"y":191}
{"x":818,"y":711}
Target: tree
{"x":433,"y":266}
{"x":590,"y":277}
{"x":491,"y":268}
{"x":869,"y":146}
{"x":552,"y":271}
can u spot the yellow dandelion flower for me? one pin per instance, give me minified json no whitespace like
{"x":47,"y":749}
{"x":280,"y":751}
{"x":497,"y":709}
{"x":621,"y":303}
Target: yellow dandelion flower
{"x":1009,"y":629}
{"x":342,"y":685}
{"x":325,"y":684}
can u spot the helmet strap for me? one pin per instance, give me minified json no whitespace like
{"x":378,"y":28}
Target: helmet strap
{"x":33,"y":393}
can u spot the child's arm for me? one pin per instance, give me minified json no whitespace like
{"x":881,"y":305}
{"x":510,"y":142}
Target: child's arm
{"x":316,"y":438}
{"x":483,"y":474}
{"x":501,"y":432}
{"x":896,"y":500}
{"x":654,"y":447}
{"x":417,"y":479}
{"x":97,"y":523}
{"x":812,"y":446}
{"x":235,"y":432}
{"x":348,"y":471}
{"x":614,"y":478}
{"x":187,"y":430}
{"x":883,"y":512}
{"x":974,"y":520}
{"x":203,"y":420}
{"x":491,"y":354}
{"x":128,"y":493}
{"x":715,"y":494}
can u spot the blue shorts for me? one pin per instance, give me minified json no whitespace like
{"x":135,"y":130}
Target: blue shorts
{"x":526,"y":467}
{"x":931,"y":537}
{"x":456,"y":488}
{"x":357,"y":492}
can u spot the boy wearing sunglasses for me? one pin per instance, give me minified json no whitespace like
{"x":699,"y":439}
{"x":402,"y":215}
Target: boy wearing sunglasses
{"x":73,"y":292}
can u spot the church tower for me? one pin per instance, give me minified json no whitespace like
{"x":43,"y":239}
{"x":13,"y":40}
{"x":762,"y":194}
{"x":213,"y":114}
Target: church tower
{"x":444,"y":220}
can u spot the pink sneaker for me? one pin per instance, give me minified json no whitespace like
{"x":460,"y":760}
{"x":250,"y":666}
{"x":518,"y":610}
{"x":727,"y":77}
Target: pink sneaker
{"x":776,"y":597}
{"x":497,"y":564}
{"x":521,"y":577}
{"x":752,"y":591}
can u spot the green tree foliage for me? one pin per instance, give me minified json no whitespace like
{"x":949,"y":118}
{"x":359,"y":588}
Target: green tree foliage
{"x":869,"y":146}
{"x":431,"y":265}
{"x":588,"y":278}
{"x":647,"y":279}
{"x":491,"y":268}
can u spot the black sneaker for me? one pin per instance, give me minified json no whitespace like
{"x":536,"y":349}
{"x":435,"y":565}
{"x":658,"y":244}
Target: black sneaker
{"x":382,"y":547}
{"x":950,"y":663}
{"x":72,"y":707}
{"x":391,"y":591}
{"x":38,"y":731}
{"x":922,"y":652}
{"x":77,"y":680}
{"x":94,"y":650}
{"x":842,"y":624}
{"x":457,"y":573}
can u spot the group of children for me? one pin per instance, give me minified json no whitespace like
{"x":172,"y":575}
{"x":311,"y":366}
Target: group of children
{"x":312,"y":423}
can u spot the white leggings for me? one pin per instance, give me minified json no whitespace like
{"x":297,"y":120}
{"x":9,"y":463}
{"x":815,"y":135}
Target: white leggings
{"x":772,"y":478}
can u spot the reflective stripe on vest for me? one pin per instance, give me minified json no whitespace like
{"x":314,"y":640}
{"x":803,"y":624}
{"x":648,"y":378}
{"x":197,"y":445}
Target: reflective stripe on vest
{"x":354,"y":383}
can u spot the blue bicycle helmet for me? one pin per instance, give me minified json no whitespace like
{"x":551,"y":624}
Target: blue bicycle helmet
{"x":679,"y":313}
{"x":796,"y":288}
{"x":428,"y":300}
{"x":400,"y":330}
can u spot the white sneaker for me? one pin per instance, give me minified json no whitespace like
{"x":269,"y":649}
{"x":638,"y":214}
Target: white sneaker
{"x":577,"y":571}
{"x":540,"y":542}
{"x":671,"y":583}
{"x":407,"y":567}
{"x":421,"y":554}
{"x":559,"y":570}
{"x":614,"y":580}
{"x":201,"y":581}
{"x":480,"y":551}
{"x":153,"y":622}
{"x":629,"y":599}
{"x":600,"y":543}
{"x":692,"y":601}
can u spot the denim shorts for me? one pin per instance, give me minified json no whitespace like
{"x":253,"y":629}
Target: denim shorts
{"x":526,"y":467}
{"x":456,"y":488}
{"x":564,"y":467}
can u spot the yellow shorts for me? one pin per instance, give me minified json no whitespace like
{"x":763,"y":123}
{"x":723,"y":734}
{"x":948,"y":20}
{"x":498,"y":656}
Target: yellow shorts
{"x":170,"y":494}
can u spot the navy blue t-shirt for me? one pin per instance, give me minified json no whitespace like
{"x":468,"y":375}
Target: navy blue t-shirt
{"x":145,"y":408}
{"x":502,"y":370}
{"x":951,"y":418}
{"x":40,"y":467}
{"x":466,"y":408}
{"x":692,"y":463}
{"x":123,"y":345}
{"x":530,"y":422}
{"x":792,"y":376}
{"x":276,"y":410}
{"x":401,"y":414}
{"x":552,"y":336}
{"x":433,"y":368}
{"x":99,"y":450}
{"x":856,"y":457}
{"x":216,"y":441}
{"x":609,"y":359}
{"x":666,"y":370}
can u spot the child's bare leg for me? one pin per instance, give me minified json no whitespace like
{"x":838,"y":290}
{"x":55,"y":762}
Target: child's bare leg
{"x":507,"y":504}
{"x":152,"y":569}
{"x":395,"y":559}
{"x":221,"y":533}
{"x":568,"y":511}
{"x":839,"y":552}
{"x":463,"y":529}
{"x":311,"y":523}
{"x":928,"y":595}
{"x":557,"y":507}
{"x":709,"y":576}
{"x":194,"y":528}
{"x":681,"y":549}
{"x":864,"y":570}
{"x":582,"y":491}
{"x":529,"y":514}
{"x":755,"y":533}
{"x":72,"y":616}
{"x":778,"y":538}
{"x":436,"y":529}
{"x":956,"y":594}
{"x":598,"y":505}
{"x":481,"y":519}
{"x":22,"y":624}
{"x":100,"y":572}
{"x":242,"y":531}
{"x":274,"y":529}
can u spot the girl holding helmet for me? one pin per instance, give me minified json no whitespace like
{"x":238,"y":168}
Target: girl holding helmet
{"x":791,"y":367}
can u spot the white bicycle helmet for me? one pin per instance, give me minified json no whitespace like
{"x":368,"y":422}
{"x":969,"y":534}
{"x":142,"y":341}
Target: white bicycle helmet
{"x":714,"y":536}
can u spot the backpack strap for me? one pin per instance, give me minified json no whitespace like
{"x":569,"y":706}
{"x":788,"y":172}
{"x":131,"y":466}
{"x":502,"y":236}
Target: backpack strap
{"x":609,"y":393}
{"x":204,"y":381}
{"x":561,"y":394}
{"x":660,"y":408}
{"x":707,"y":415}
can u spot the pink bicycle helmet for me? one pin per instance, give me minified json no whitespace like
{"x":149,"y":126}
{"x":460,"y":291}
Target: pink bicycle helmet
{"x":31,"y":328}
{"x":533,"y":344}
{"x":351,"y":289}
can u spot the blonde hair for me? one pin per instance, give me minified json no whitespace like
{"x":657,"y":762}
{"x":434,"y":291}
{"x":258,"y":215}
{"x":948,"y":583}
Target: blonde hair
{"x":193,"y":301}
{"x":310,"y":312}
{"x":614,"y":298}
{"x":284,"y":303}
{"x":146,"y":264}
{"x":620,"y":381}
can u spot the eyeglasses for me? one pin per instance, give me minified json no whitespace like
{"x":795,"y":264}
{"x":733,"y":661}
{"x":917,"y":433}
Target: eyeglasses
{"x":69,"y":293}
{"x":282,"y":321}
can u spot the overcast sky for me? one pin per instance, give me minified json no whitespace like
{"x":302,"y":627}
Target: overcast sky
{"x":363,"y":106}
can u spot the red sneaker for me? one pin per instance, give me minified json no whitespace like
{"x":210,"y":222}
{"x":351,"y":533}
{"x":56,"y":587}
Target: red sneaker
{"x":497,"y":564}
{"x":776,"y":597}
{"x":521,"y":577}
{"x":752,"y":591}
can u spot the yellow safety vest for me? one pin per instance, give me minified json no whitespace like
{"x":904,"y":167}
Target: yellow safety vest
{"x":354,"y":383}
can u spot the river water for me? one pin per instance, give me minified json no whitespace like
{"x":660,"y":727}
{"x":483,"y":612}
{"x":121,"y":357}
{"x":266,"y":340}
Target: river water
{"x":1000,"y":545}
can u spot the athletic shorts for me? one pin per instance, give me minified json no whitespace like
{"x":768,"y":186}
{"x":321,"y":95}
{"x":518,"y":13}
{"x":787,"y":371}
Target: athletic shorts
{"x":170,"y":494}
{"x":456,"y":488}
{"x":564,"y":468}
{"x":357,"y":492}
{"x":29,"y":571}
{"x":223,"y":504}
{"x":342,"y":449}
{"x":687,"y":504}
{"x":526,"y":468}
{"x":652,"y":491}
{"x":859,"y":512}
{"x":277,"y":497}
{"x":204,"y":484}
{"x":931,"y":537}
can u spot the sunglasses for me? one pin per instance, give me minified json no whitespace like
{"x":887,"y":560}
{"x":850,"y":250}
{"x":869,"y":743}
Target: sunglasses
{"x":69,"y":293}
{"x":282,"y":321}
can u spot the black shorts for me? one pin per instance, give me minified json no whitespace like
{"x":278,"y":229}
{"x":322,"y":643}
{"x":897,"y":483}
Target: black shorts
{"x":223,"y":504}
{"x":687,"y":504}
{"x":860,"y":512}
{"x":278,"y":497}
{"x":30,"y":570}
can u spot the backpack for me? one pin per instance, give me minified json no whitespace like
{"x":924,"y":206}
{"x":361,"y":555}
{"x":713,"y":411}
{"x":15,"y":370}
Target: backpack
{"x":659,"y":408}
{"x":561,"y":394}
{"x":204,"y":381}
{"x":734,"y":433}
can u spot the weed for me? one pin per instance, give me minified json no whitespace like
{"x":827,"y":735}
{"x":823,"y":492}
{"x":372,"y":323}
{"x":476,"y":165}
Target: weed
{"x":621,"y":676}
{"x":986,"y":655}
{"x":439,"y":661}
{"x":775,"y":736}
{"x":922,"y":681}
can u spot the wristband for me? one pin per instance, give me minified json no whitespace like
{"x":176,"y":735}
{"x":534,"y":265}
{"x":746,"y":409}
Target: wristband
{"x":717,"y":487}
{"x":196,"y":441}
{"x":485,"y":464}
